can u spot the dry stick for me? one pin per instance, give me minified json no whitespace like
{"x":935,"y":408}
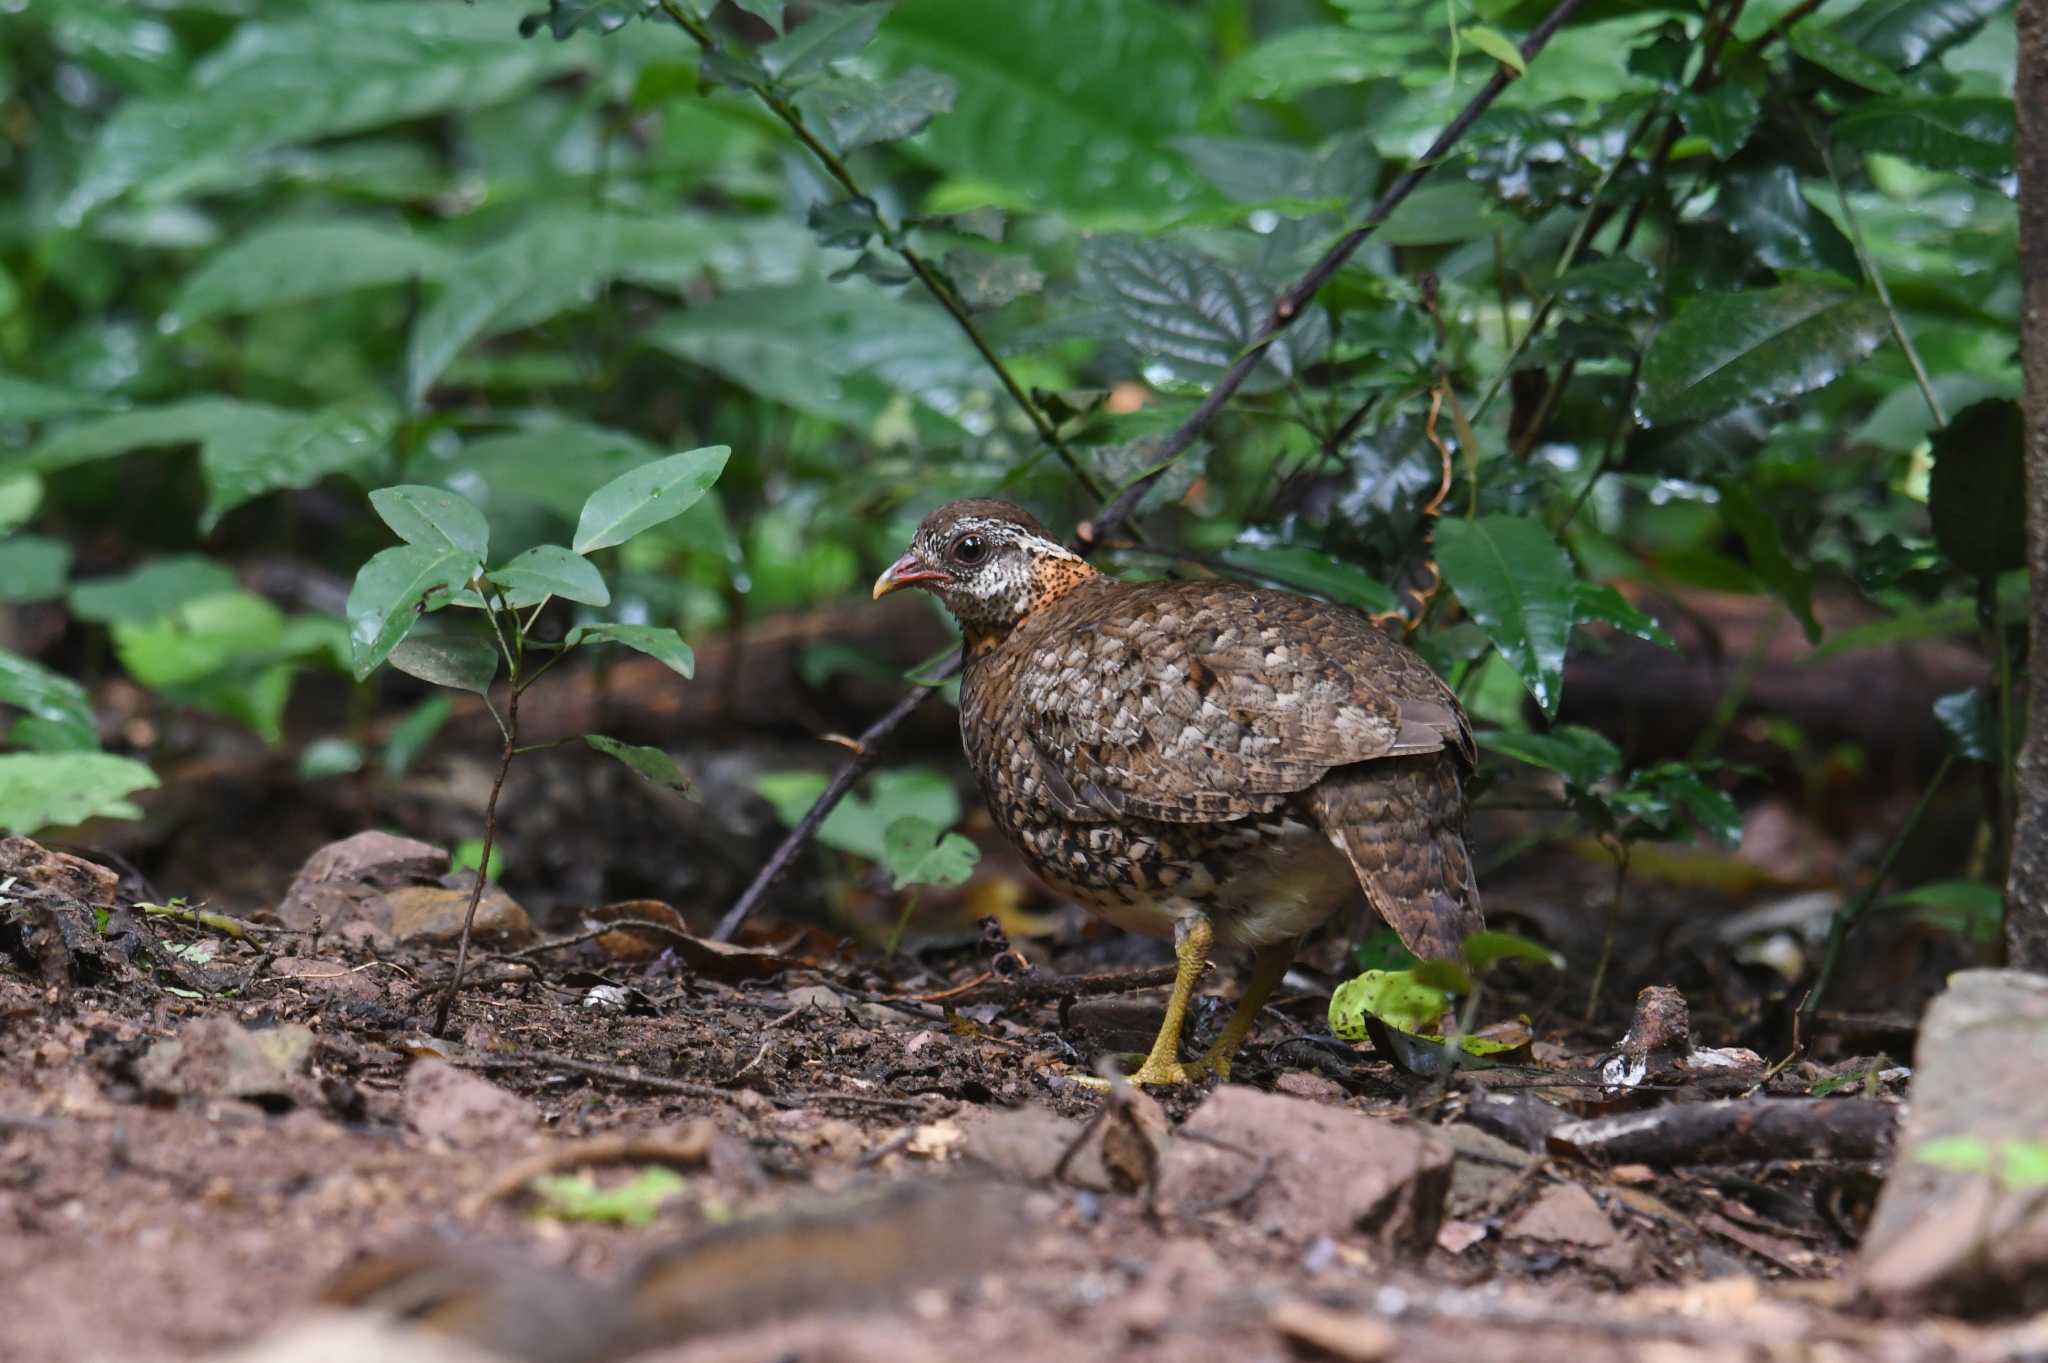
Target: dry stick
{"x":483,"y":861}
{"x":1113,"y":516}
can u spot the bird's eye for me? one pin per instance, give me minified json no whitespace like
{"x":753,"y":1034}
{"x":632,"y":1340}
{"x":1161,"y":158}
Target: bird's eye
{"x":969,"y":550}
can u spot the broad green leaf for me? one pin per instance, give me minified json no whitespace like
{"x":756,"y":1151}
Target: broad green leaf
{"x":1666,"y":797}
{"x":1188,"y":315}
{"x":59,"y":707}
{"x":1957,"y":1154}
{"x":859,"y":823}
{"x":433,"y":518}
{"x":391,"y":591}
{"x":647,"y":496}
{"x":200,"y":638}
{"x":1977,"y":491}
{"x":985,"y":280}
{"x":1582,"y":756}
{"x":550,"y":570}
{"x":920,"y":852}
{"x":651,"y":763}
{"x":1297,"y":60}
{"x":1918,"y":622}
{"x":565,"y":18}
{"x":462,"y":662}
{"x":1730,"y":350}
{"x":306,"y":75}
{"x":1598,"y":603}
{"x":1299,"y":566}
{"x":635,"y":1202}
{"x":662,"y":644}
{"x":325,"y":757}
{"x":1392,"y":996}
{"x":31,"y":400}
{"x":20,"y":495}
{"x":150,"y":592}
{"x":410,"y":736}
{"x":1723,"y":116}
{"x":768,"y":12}
{"x":33,"y":567}
{"x":256,"y":458}
{"x":59,"y":789}
{"x":1253,"y":171}
{"x":1905,"y":33}
{"x":856,"y":112}
{"x":1829,"y":50}
{"x":1768,"y":558}
{"x":827,"y":36}
{"x":1496,"y":45}
{"x":293,"y":262}
{"x":1043,"y":118}
{"x":1484,"y":950}
{"x":1970,"y":721}
{"x":1968,"y":133}
{"x":192,"y":421}
{"x":1765,"y":210}
{"x":1967,"y":908}
{"x":1520,"y":588}
{"x":1440,"y":213}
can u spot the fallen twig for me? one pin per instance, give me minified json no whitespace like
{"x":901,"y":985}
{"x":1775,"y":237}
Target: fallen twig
{"x":1828,"y":1129}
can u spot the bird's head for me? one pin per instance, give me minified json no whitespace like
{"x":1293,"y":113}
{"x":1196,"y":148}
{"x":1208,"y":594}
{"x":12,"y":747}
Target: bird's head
{"x":990,"y":562}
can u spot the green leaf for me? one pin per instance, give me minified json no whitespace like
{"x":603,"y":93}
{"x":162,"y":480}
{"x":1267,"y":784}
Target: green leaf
{"x":1723,"y":117}
{"x":1669,"y":794}
{"x":151,"y":591}
{"x":2024,"y":1165}
{"x":647,"y":496}
{"x":31,"y":400}
{"x":1297,"y":60}
{"x":391,"y":591}
{"x":1829,"y":50}
{"x":1970,"y":909}
{"x":920,"y":852}
{"x":636,"y":1202}
{"x":1293,"y":565}
{"x":1044,"y":119}
{"x":663,"y":645}
{"x":179,"y":423}
{"x":1496,"y":45}
{"x":256,"y":458}
{"x":307,"y":75}
{"x":985,"y":280}
{"x":859,"y":824}
{"x":768,"y":12}
{"x":1583,"y":757}
{"x":200,"y":638}
{"x":1765,"y":210}
{"x":412,"y":734}
{"x":464,"y":662}
{"x":564,"y":18}
{"x":1730,"y":350}
{"x":1788,"y":581}
{"x":59,"y":789}
{"x":652,"y":763}
{"x":295,"y":262}
{"x":1441,"y":213}
{"x":434,"y":518}
{"x":1968,"y":133}
{"x":550,"y":570}
{"x":1599,"y":603}
{"x":59,"y":707}
{"x":1392,"y":996}
{"x":33,"y":567}
{"x":1970,"y":721}
{"x":20,"y":495}
{"x":1957,"y":1154}
{"x":828,"y":35}
{"x":1520,"y":588}
{"x":1485,"y":950}
{"x":1977,"y":490}
{"x":325,"y":757}
{"x":1253,"y":171}
{"x":1189,"y":315}
{"x":856,"y":112}
{"x":1905,"y":33}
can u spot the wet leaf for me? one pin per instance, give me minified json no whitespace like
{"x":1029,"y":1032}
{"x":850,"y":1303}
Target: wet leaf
{"x":1970,"y":721}
{"x":464,"y":663}
{"x":1723,"y":116}
{"x":1255,"y":171}
{"x":1520,"y":588}
{"x":1976,"y":493}
{"x":1768,"y":214}
{"x":1582,"y":756}
{"x":550,"y":570}
{"x":647,"y":496}
{"x":856,"y":112}
{"x":1942,"y":132}
{"x":1731,"y":350}
{"x":1839,"y":56}
{"x":434,"y":518}
{"x":58,"y":706}
{"x":825,"y":37}
{"x":391,"y":591}
{"x":1599,"y":603}
{"x":652,"y":763}
{"x":1905,"y":33}
{"x":656,"y":641}
{"x":256,"y":458}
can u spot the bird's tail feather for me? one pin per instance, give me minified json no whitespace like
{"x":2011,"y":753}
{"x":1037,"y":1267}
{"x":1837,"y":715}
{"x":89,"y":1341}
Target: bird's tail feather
{"x":1401,"y":823}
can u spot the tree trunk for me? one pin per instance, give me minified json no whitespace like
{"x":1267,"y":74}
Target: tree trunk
{"x":2026,"y":921}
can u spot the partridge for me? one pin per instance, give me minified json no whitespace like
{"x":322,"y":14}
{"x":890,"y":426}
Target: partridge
{"x":1211,"y":761}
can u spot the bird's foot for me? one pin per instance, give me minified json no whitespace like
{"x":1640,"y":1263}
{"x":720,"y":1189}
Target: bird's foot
{"x":1156,"y":1074}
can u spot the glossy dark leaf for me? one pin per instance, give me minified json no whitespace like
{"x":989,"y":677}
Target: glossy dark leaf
{"x":1599,"y":603}
{"x":563,"y":18}
{"x":150,"y":592}
{"x":1723,"y":116}
{"x":1519,"y":586}
{"x":857,"y":112}
{"x":1662,"y":801}
{"x":1768,"y":214}
{"x":1905,"y":33}
{"x":1968,"y":133}
{"x":827,"y":36}
{"x":389,"y":593}
{"x":1582,"y":756}
{"x":1730,"y":350}
{"x":1976,"y":493}
{"x":1189,"y":315}
{"x":1311,"y":570}
{"x":461,"y":662}
{"x":59,"y":706}
{"x":1791,"y":583}
{"x":550,"y":570}
{"x":251,"y":461}
{"x":1820,"y":44}
{"x":1970,"y":720}
{"x":1253,"y":171}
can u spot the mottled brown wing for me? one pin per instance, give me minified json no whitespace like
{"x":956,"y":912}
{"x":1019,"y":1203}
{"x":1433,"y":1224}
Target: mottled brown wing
{"x":1191,"y":702}
{"x":1401,"y":823}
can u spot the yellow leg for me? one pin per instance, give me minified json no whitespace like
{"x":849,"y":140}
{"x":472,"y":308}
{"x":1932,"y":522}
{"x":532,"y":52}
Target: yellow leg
{"x":1191,"y":941}
{"x":1269,"y":967}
